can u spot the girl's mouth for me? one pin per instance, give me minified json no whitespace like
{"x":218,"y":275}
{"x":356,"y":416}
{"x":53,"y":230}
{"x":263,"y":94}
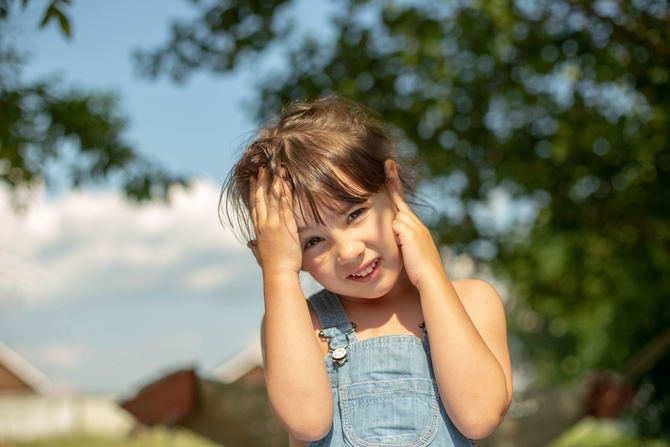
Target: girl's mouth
{"x":366,"y":274}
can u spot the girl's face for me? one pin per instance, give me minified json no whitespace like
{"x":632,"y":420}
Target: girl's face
{"x":354,"y":253}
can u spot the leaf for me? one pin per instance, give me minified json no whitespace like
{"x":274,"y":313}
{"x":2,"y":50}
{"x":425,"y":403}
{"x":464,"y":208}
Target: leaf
{"x":48,"y":14}
{"x":54,"y":12}
{"x":64,"y":24}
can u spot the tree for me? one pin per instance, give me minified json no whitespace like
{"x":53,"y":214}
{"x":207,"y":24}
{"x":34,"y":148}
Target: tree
{"x":43,"y":123}
{"x":560,"y":105}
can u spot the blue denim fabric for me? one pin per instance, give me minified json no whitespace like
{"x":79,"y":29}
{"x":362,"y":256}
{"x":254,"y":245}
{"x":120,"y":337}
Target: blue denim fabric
{"x":385,"y":393}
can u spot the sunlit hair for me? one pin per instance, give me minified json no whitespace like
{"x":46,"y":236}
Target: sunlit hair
{"x":330,"y":151}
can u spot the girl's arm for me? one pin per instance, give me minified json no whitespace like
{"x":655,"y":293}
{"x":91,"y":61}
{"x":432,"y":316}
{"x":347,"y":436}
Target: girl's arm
{"x":466,"y":328}
{"x":469,"y":351}
{"x":296,"y":378}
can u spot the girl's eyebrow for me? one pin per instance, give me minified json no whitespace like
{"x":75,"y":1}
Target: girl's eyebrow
{"x":343,"y":208}
{"x":335,"y":208}
{"x":306,"y":226}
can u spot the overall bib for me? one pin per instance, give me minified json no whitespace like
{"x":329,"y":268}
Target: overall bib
{"x":384,"y":388}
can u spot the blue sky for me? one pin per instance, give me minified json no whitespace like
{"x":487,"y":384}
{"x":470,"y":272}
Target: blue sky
{"x":103,"y":296}
{"x":192,"y":127}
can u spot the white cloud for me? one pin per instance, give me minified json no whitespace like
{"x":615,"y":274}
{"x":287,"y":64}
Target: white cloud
{"x":208,"y":277}
{"x":87,"y":243}
{"x":100,"y":293}
{"x":23,"y":281}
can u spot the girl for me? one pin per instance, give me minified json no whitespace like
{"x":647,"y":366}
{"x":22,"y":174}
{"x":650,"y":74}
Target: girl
{"x":391,"y":352}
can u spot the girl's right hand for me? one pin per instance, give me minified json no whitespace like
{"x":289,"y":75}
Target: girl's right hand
{"x":277,"y":246}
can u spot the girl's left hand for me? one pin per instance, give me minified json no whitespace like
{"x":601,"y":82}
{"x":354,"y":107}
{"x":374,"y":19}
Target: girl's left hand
{"x":420,"y":256}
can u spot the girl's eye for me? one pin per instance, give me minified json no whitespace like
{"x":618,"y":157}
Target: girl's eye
{"x":355,"y":214}
{"x":312,"y":242}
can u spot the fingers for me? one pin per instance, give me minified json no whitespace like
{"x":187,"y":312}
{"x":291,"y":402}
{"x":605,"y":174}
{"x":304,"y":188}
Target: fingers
{"x":406,"y":221}
{"x":391,"y":171}
{"x":395,"y":186}
{"x":277,"y":245}
{"x":269,"y":199}
{"x":276,"y":194}
{"x":252,"y":200}
{"x":280,"y":202}
{"x":258,"y":189}
{"x":286,"y":199}
{"x":400,"y":204}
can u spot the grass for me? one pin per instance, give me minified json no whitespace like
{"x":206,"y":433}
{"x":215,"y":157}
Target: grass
{"x":155,"y":437}
{"x":601,"y":433}
{"x":588,"y":432}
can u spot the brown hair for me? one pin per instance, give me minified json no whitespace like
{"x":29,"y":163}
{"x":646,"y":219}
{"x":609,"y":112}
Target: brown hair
{"x":330,"y":151}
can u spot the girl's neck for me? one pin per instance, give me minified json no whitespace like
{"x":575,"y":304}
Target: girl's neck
{"x":397,"y":312}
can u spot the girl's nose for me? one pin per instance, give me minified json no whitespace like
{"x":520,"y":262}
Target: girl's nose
{"x":349,"y":250}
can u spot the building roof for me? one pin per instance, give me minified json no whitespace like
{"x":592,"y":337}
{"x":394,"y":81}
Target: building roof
{"x":23,"y":370}
{"x":240,"y":363}
{"x":166,"y":401}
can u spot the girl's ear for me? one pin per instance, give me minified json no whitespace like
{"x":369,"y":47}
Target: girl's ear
{"x":392,"y":179}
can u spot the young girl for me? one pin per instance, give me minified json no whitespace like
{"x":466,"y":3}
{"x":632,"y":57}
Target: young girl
{"x":391,"y":352}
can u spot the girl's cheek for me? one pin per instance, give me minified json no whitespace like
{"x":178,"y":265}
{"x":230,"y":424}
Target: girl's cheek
{"x":384,"y":222}
{"x":313,"y":262}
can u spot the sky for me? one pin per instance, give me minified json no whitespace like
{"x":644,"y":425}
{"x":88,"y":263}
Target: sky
{"x":104,"y":296}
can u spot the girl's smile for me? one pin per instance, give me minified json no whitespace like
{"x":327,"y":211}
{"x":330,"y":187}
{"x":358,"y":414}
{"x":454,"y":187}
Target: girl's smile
{"x":368,"y":273}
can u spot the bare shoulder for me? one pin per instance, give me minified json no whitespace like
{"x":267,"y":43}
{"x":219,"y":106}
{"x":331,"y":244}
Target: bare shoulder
{"x":476,"y":290}
{"x":480,"y":299}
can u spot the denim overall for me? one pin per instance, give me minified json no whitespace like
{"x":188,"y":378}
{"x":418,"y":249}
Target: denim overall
{"x":384,"y":388}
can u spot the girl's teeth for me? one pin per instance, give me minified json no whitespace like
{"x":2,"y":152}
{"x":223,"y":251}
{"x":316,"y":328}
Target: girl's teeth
{"x":367,"y":270}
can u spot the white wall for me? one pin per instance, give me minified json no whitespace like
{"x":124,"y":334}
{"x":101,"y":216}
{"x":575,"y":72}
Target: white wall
{"x":25,"y":417}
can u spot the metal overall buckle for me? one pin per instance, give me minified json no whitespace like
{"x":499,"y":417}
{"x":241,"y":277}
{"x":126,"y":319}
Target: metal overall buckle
{"x":340,"y":353}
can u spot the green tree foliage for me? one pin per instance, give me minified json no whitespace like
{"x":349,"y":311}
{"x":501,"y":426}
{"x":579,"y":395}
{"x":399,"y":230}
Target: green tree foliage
{"x":42,"y":124}
{"x":562,"y":105}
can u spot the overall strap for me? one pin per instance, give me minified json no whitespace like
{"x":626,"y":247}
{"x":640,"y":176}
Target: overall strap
{"x":335,"y":324}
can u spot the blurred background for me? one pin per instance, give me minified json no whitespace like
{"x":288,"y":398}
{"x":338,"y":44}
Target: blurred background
{"x":539,"y":130}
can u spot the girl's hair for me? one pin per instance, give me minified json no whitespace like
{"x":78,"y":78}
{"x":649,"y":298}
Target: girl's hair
{"x":329,"y":151}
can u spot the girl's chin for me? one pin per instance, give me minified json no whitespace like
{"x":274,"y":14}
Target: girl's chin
{"x":380,"y":285}
{"x":365,"y":293}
